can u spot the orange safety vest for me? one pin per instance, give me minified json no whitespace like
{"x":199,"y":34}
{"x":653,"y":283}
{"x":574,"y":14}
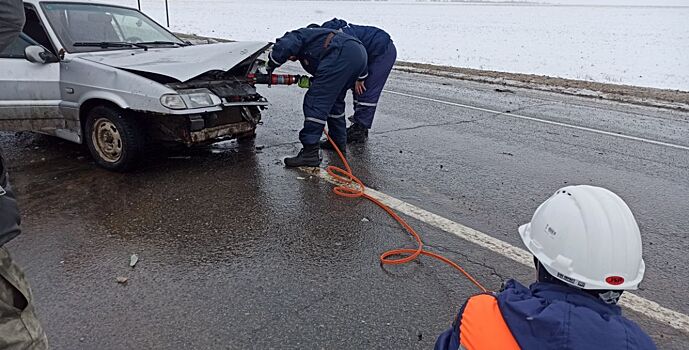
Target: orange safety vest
{"x":482,"y":326}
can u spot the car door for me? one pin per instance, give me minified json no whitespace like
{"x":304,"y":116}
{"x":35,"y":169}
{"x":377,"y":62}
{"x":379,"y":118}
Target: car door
{"x":29,"y":92}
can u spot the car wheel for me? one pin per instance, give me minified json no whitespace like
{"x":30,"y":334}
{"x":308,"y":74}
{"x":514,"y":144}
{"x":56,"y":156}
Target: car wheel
{"x":114,"y":139}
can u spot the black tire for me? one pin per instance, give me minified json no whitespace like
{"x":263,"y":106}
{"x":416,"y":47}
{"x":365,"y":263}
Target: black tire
{"x":116,"y":141}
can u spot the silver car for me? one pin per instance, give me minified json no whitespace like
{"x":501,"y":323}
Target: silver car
{"x":112,"y":78}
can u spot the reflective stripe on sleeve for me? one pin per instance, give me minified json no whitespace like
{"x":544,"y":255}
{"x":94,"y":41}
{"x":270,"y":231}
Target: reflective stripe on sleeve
{"x":270,"y":56}
{"x":316,"y":120}
{"x":367,"y":104}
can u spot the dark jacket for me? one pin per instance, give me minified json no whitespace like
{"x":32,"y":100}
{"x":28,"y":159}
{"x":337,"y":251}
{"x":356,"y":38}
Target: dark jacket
{"x":550,"y":316}
{"x":9,"y":212}
{"x":375,"y":40}
{"x":11,"y":21}
{"x":308,"y":45}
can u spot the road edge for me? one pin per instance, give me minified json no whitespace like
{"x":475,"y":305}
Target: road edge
{"x":653,"y":97}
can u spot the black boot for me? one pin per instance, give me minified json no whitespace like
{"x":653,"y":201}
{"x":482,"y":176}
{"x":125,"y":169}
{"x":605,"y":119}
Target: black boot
{"x":325,"y":144}
{"x":356,"y":133}
{"x":308,"y":156}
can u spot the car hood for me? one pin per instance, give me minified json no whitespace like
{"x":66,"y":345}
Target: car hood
{"x":181,"y":63}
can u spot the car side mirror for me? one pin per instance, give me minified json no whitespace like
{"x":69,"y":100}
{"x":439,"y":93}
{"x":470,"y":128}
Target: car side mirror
{"x":37,"y":54}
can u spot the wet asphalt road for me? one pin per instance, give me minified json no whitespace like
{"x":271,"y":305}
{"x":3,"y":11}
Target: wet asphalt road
{"x":238,"y":252}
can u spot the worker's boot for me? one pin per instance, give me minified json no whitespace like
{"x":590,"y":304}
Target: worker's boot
{"x":356,"y":133}
{"x":325,"y":144}
{"x":308,"y":156}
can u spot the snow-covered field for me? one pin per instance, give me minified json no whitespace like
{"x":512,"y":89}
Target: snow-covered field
{"x":644,"y":46}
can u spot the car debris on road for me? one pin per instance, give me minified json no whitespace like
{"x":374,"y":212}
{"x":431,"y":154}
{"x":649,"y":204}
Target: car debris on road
{"x":133,"y":259}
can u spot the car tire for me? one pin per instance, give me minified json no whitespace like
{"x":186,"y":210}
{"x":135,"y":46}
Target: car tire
{"x":115,"y":139}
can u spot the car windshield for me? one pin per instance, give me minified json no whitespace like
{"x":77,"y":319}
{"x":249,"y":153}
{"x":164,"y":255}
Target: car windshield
{"x":91,"y":27}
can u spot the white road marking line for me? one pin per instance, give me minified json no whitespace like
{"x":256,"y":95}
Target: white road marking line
{"x":631,"y":301}
{"x":544,"y":121}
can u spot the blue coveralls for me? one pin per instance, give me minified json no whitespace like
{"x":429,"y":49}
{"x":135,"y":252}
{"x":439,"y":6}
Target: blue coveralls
{"x":551,"y":316}
{"x":336,"y":64}
{"x":381,"y":57}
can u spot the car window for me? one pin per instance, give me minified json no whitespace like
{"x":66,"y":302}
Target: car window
{"x":16,"y":49}
{"x":134,"y":29}
{"x":35,"y":30}
{"x":92,"y":23}
{"x":82,"y":24}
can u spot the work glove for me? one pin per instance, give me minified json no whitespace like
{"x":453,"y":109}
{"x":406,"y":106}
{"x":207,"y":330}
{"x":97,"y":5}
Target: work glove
{"x":304,"y":82}
{"x":271,"y":66}
{"x":269,"y":69}
{"x":269,"y":72}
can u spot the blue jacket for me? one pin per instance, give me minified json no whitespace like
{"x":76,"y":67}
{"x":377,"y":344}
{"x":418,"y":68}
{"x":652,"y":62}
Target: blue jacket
{"x":308,"y":45}
{"x":375,"y":40}
{"x":550,"y":316}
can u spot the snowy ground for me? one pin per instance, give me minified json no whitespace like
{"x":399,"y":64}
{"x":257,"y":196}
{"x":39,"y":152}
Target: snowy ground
{"x":643,"y":46}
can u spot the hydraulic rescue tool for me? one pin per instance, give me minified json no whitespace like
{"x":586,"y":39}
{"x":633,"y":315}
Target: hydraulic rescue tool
{"x":277,"y":79}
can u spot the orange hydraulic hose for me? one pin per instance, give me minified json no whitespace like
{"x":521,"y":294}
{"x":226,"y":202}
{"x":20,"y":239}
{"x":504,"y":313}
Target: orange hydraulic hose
{"x":359,"y":191}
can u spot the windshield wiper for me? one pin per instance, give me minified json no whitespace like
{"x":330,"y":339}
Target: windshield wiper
{"x":107,"y":44}
{"x":159,"y":42}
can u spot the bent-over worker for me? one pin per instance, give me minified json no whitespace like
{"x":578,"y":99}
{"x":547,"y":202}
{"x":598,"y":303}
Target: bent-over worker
{"x":336,"y":61}
{"x":382,"y":54}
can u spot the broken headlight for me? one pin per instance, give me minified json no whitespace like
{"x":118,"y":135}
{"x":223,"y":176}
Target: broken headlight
{"x":194,"y":98}
{"x":173,"y":101}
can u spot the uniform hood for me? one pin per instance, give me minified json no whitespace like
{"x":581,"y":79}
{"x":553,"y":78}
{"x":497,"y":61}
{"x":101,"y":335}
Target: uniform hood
{"x":335,"y":24}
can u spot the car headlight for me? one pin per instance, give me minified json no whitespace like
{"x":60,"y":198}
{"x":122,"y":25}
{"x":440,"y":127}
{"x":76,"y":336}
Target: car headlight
{"x":195,"y":98}
{"x":173,"y":101}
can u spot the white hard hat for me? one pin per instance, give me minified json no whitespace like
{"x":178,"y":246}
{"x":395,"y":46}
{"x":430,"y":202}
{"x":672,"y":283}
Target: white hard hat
{"x":587,"y":237}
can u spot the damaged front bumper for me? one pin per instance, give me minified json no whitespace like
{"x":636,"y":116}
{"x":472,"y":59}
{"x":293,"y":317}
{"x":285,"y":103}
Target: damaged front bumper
{"x":237,"y":115}
{"x":219,"y":132}
{"x":234,"y":120}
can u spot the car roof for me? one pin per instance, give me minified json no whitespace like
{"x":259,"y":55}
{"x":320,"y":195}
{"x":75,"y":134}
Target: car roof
{"x":94,"y":2}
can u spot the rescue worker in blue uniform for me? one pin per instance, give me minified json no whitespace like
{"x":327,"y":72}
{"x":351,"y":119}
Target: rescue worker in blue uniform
{"x":587,"y":250}
{"x":336,"y":61}
{"x":382,"y":54}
